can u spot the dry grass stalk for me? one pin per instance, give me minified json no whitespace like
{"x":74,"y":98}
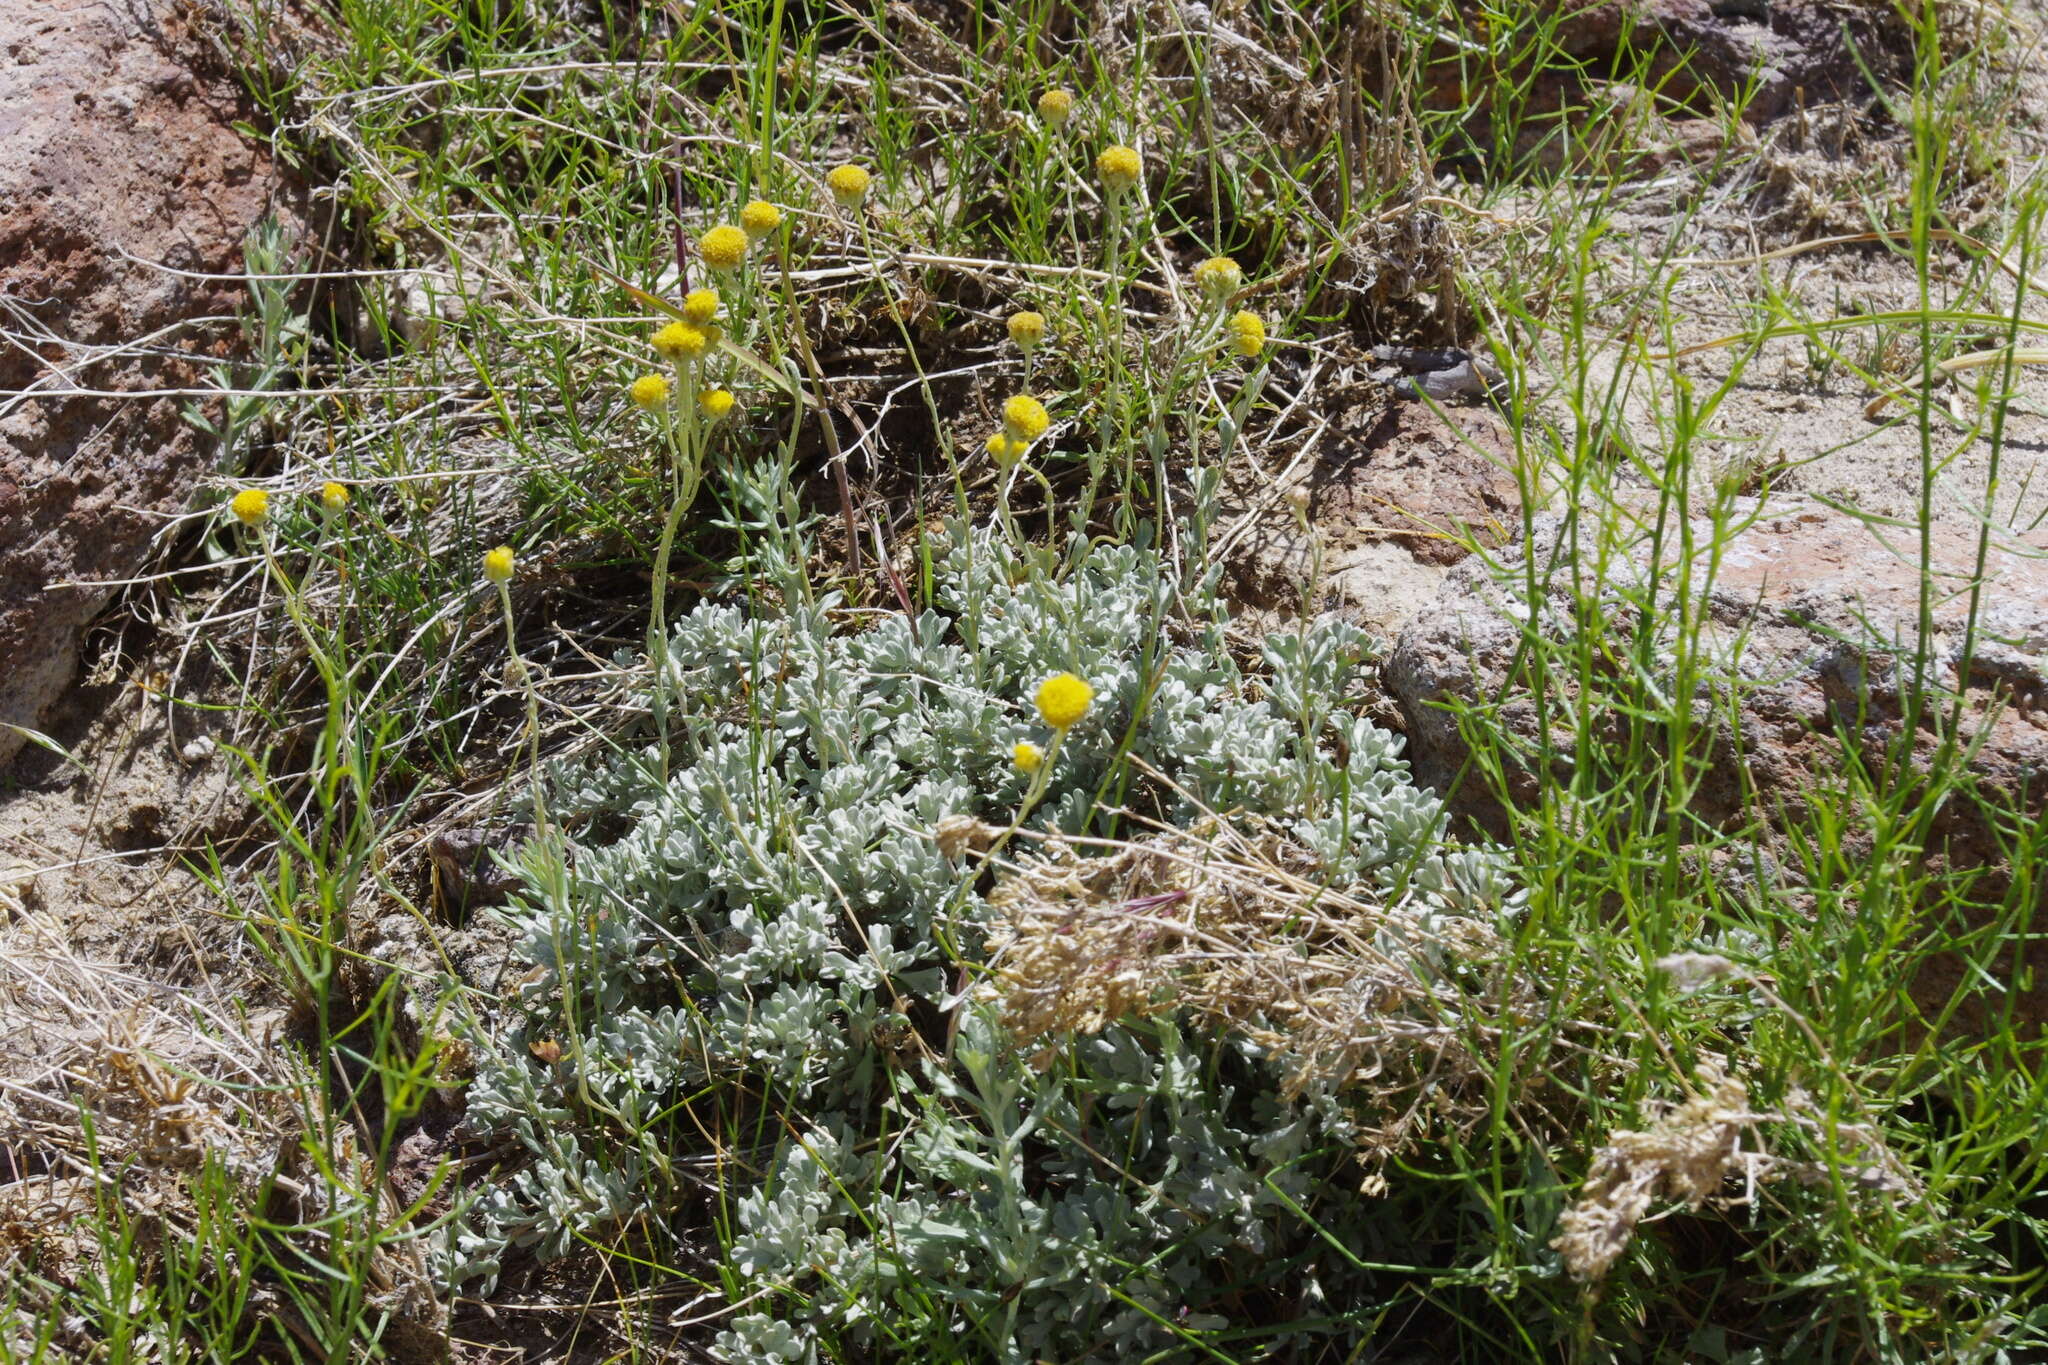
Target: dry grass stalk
{"x":1688,"y":1153}
{"x":1693,"y":1149}
{"x":168,"y":1081}
{"x":1233,"y":928}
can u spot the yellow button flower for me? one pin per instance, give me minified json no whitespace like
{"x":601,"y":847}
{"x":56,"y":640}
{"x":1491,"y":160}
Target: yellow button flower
{"x":759,"y":218}
{"x":250,"y":506}
{"x":1005,"y":449}
{"x":715,"y":403}
{"x":1219,"y":277}
{"x":1247,"y":334}
{"x":1027,"y":330}
{"x":1025,"y":418}
{"x":723,"y":248}
{"x":849,"y":185}
{"x":499,"y":563}
{"x":680,"y":343}
{"x":700,"y":307}
{"x":1054,"y":106}
{"x":1119,"y":169}
{"x":650,"y":392}
{"x":334,"y":496}
{"x":1027,"y":756}
{"x":1063,"y":699}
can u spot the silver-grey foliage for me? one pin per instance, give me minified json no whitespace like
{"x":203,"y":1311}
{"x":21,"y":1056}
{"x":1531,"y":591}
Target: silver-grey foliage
{"x":766,"y":942}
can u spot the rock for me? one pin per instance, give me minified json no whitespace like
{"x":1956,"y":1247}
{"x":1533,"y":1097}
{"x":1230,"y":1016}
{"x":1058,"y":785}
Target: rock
{"x":1445,"y":373}
{"x":1391,"y":486}
{"x":1416,"y":478}
{"x":118,"y":141}
{"x":1813,"y":619}
{"x":470,"y":864}
{"x":428,"y":953}
{"x":1699,"y":57}
{"x":1782,"y":51}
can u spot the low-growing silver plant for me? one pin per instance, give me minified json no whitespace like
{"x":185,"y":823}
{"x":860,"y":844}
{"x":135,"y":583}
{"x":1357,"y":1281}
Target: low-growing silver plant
{"x":760,"y":1022}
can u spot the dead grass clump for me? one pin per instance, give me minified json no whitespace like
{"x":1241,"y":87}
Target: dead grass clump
{"x":128,"y":1112}
{"x":1691,"y":1152}
{"x":1233,"y":929}
{"x":1688,"y":1153}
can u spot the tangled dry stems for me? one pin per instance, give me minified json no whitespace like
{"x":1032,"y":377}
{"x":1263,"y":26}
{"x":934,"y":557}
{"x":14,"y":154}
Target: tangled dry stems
{"x":1384,"y":1002}
{"x":115,"y":1092}
{"x":1399,"y":1012}
{"x":1694,"y":1148}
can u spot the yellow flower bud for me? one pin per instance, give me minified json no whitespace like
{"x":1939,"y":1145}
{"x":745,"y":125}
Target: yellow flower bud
{"x":1025,"y":418}
{"x":715,"y":403}
{"x":1247,"y":334}
{"x":1219,"y":277}
{"x":1118,"y":168}
{"x":250,"y":506}
{"x":760,"y":218}
{"x":700,"y":307}
{"x":334,"y":496}
{"x":1054,"y":106}
{"x":680,"y":343}
{"x":723,"y":248}
{"x":1005,"y":449}
{"x":498,"y":564}
{"x":1063,"y":699}
{"x":1027,"y":330}
{"x":1027,"y":756}
{"x":849,"y":185}
{"x":650,"y":392}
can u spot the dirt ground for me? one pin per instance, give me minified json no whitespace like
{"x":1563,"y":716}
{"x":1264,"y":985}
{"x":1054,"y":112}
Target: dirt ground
{"x":94,"y":851}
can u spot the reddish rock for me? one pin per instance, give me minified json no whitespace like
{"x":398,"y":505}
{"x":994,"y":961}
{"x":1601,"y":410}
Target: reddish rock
{"x":1390,"y":488}
{"x":1775,"y":51}
{"x":1697,"y":56}
{"x":1413,"y":477}
{"x":1814,"y":619}
{"x":118,"y":140}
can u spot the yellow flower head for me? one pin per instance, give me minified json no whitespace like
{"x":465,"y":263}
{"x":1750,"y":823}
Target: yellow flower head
{"x":715,"y":403}
{"x":1027,"y":330}
{"x":1119,"y":169}
{"x":334,"y":496}
{"x":650,"y":392}
{"x":1054,"y":106}
{"x":723,"y":248}
{"x":849,"y":185}
{"x":1027,"y":756}
{"x":250,"y":506}
{"x":759,"y":218}
{"x":679,"y":343}
{"x":1025,"y":418}
{"x":1247,"y":334}
{"x":499,"y":563}
{"x":700,"y":307}
{"x":1006,"y":449}
{"x":1063,"y":699}
{"x":1219,"y":277}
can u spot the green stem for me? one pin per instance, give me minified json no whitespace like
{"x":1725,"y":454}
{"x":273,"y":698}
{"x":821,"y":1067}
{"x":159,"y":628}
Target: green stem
{"x":1039,"y":781}
{"x":685,"y":471}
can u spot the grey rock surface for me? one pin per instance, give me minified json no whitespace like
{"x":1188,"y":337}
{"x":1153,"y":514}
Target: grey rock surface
{"x":1813,"y":619}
